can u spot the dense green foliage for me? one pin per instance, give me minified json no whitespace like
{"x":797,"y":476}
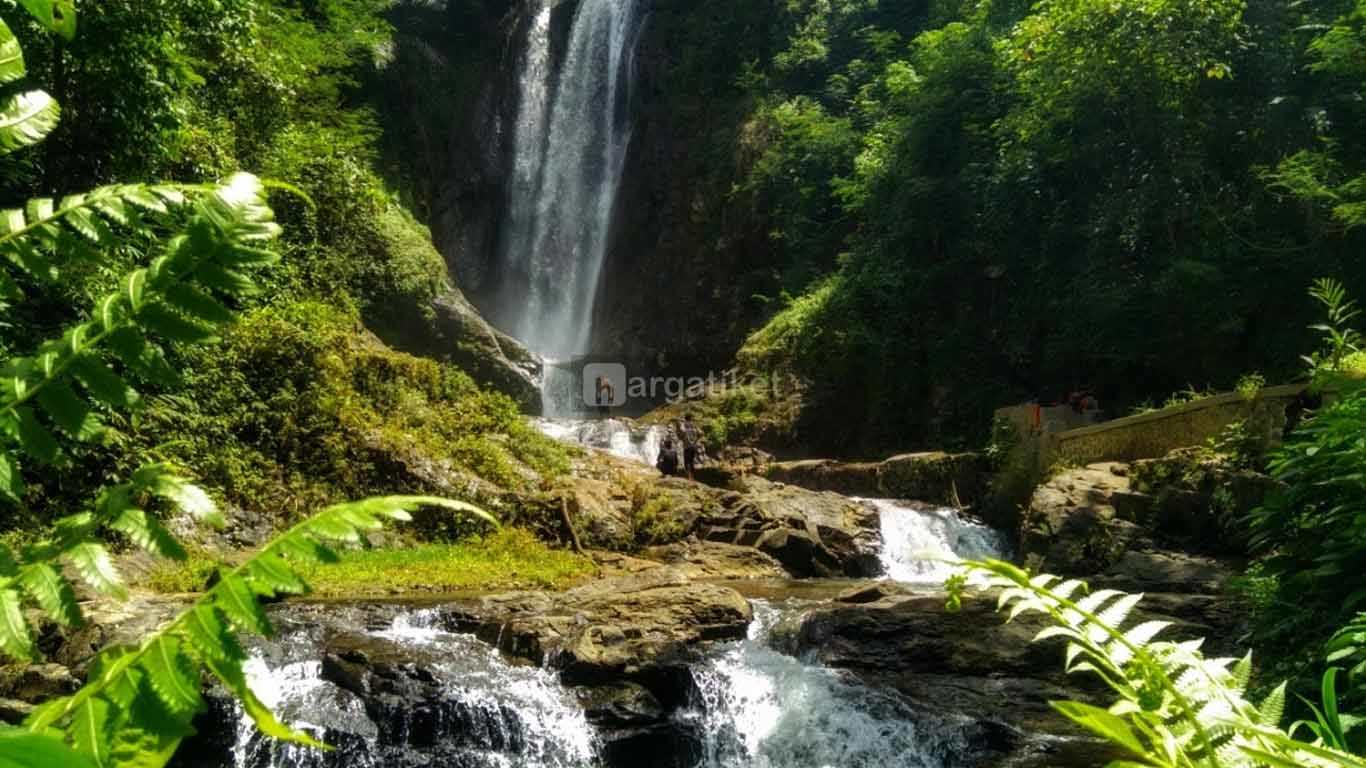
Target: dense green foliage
{"x":274,"y":86}
{"x":112,"y":288}
{"x":1027,"y":200}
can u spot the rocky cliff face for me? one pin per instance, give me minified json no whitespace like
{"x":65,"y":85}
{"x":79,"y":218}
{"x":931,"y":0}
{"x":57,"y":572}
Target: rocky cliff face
{"x":683,"y":259}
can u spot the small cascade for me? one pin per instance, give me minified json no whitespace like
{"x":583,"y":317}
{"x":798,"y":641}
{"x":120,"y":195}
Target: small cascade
{"x":615,"y":436}
{"x":916,"y":540}
{"x":489,"y":713}
{"x":758,"y":708}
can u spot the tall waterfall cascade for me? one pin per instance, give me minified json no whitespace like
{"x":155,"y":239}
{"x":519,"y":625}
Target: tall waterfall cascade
{"x":573,"y":127}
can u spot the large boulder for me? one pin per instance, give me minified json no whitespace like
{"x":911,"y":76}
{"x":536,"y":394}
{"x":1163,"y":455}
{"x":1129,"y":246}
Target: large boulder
{"x":490,"y":356}
{"x":848,"y":478}
{"x":935,"y":477}
{"x":1083,"y":520}
{"x":630,"y":626}
{"x":810,"y":533}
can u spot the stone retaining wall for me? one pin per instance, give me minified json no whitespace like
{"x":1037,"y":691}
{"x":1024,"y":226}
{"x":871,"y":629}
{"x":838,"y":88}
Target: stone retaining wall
{"x":1150,"y":435}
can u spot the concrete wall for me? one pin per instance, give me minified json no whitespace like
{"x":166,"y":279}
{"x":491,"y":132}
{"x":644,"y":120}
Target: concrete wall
{"x":1154,"y":434}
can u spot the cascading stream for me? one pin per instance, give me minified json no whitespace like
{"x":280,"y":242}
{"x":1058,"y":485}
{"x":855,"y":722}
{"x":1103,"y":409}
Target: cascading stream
{"x":918,"y":540}
{"x":759,"y":708}
{"x":572,"y":131}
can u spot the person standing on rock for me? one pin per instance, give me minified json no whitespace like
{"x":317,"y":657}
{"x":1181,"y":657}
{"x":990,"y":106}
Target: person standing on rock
{"x":692,"y":443}
{"x":668,"y":458}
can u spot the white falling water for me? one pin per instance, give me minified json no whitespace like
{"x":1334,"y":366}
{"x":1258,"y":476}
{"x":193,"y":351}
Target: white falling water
{"x":515,"y":716}
{"x":759,"y":708}
{"x":615,"y":436}
{"x":572,"y":132}
{"x":916,"y":541}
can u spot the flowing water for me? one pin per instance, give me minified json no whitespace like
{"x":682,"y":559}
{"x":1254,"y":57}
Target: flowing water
{"x":493,"y":714}
{"x":759,"y":708}
{"x":919,"y":543}
{"x":573,"y":128}
{"x":620,"y":438}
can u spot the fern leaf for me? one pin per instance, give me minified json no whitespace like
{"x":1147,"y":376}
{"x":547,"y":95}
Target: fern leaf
{"x":91,"y":729}
{"x":96,"y":568}
{"x":236,"y":599}
{"x":11,"y":56}
{"x":36,"y":440}
{"x":26,"y":119}
{"x":271,"y":575}
{"x":210,"y":637}
{"x":186,"y":496}
{"x":11,"y":482}
{"x":15,"y":638}
{"x":103,"y":384}
{"x":1112,"y":618}
{"x":171,"y":675}
{"x":173,"y":326}
{"x":69,"y":412}
{"x":148,"y":534}
{"x":198,"y":304}
{"x":232,"y":678}
{"x":52,"y":592}
{"x":146,"y":360}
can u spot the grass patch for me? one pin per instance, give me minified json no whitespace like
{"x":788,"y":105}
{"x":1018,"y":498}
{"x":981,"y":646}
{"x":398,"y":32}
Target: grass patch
{"x":508,"y":558}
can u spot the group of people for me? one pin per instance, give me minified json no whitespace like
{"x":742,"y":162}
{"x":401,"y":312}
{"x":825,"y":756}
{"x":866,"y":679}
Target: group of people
{"x":686,"y":433}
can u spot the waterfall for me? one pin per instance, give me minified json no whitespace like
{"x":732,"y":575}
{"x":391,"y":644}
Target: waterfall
{"x":916,"y":540}
{"x":758,"y":708}
{"x":571,"y":135}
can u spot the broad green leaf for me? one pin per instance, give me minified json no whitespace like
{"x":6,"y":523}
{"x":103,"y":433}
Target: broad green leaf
{"x":1101,"y":722}
{"x":22,"y":748}
{"x":271,"y":575}
{"x":57,"y":16}
{"x":11,"y":56}
{"x":96,"y":568}
{"x":15,"y":639}
{"x":51,"y":591}
{"x":26,"y":119}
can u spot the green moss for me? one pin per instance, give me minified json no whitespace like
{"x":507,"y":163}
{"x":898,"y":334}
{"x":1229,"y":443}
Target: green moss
{"x":298,"y":406}
{"x":189,"y":575}
{"x":509,"y":558}
{"x":655,"y":521}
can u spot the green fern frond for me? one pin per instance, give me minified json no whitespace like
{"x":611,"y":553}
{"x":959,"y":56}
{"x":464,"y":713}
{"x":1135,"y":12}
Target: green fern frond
{"x":1176,"y":707}
{"x":162,"y":673}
